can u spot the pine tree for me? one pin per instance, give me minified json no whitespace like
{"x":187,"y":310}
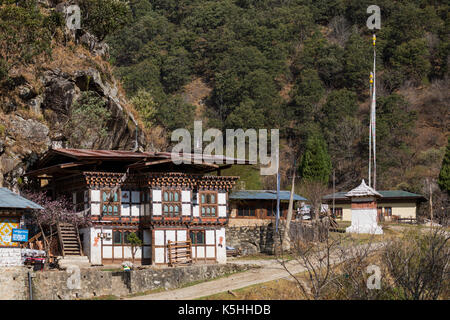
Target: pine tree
{"x":315,"y":165}
{"x":444,"y":175}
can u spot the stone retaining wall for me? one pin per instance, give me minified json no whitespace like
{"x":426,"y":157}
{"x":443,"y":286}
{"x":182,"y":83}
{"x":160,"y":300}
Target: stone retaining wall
{"x":10,"y":257}
{"x":63,"y":285}
{"x":251,"y":239}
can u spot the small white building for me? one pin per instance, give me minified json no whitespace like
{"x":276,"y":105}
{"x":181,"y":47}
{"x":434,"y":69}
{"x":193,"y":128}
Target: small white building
{"x":364,"y":210}
{"x":13,"y":209}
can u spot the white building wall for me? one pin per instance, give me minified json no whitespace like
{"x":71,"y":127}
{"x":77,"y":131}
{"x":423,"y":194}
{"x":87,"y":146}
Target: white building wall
{"x":156,"y":202}
{"x":92,"y":245}
{"x":364,"y":221}
{"x":10,"y":257}
{"x":95,"y":202}
{"x":221,"y":246}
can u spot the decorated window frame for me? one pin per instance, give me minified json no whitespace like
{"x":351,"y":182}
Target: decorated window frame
{"x":110,"y":207}
{"x":197,"y":237}
{"x":171,"y":202}
{"x":208,"y":201}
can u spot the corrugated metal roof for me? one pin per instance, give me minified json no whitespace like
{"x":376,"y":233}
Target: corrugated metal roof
{"x":118,"y":154}
{"x":263,"y":195}
{"x":399,"y":194}
{"x":386,"y":194}
{"x":9,"y":199}
{"x":90,"y":153}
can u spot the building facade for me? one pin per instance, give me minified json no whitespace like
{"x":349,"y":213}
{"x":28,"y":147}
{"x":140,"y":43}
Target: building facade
{"x":252,"y":207}
{"x":127,"y":192}
{"x":392,"y":205}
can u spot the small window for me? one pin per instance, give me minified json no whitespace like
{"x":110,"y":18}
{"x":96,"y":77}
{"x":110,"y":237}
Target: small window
{"x":208,"y":203}
{"x":117,"y":237}
{"x":111,"y":203}
{"x":337,"y":213}
{"x":197,"y":237}
{"x":171,"y":203}
{"x":125,"y":237}
{"x":245,"y":211}
{"x":388,"y":211}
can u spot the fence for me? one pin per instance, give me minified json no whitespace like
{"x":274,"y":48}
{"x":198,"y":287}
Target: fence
{"x":309,"y":231}
{"x":179,"y":252}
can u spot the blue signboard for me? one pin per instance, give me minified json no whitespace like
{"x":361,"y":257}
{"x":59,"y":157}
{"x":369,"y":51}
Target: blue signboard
{"x":19,"y":235}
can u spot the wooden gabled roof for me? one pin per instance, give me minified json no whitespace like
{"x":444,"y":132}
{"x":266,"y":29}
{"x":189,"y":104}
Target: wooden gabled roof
{"x":58,"y":162}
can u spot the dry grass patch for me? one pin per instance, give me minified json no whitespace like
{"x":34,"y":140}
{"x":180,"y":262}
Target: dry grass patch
{"x":281,"y":289}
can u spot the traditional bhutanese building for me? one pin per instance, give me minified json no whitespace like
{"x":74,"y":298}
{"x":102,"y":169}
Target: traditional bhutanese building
{"x":392,"y":205}
{"x":144,"y":193}
{"x":259,"y":206}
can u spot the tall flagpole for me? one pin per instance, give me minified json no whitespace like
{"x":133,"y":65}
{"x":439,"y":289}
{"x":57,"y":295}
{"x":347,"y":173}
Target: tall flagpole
{"x":370,"y":129}
{"x":278,"y":198}
{"x":374,"y":38}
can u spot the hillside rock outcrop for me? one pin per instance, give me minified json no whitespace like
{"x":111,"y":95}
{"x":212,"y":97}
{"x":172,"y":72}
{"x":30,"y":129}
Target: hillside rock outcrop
{"x":26,"y":134}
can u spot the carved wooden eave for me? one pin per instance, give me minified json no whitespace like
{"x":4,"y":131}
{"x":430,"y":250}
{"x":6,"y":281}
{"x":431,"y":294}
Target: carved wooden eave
{"x":152,"y":180}
{"x":175,"y":179}
{"x":110,"y":179}
{"x":116,"y":223}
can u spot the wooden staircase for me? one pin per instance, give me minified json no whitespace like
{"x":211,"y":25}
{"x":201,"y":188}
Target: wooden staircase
{"x":69,"y":240}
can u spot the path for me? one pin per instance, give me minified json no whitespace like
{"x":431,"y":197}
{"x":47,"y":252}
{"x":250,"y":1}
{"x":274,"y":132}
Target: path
{"x":270,"y":270}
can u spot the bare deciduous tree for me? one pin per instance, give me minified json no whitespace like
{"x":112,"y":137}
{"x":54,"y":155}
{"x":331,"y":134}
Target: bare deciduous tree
{"x":314,"y":191}
{"x":419,"y":264}
{"x":317,"y":258}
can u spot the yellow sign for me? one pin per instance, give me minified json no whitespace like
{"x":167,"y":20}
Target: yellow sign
{"x":6,"y":226}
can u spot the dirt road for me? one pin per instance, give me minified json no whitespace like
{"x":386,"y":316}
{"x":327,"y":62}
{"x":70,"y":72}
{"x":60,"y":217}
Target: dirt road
{"x":270,"y":270}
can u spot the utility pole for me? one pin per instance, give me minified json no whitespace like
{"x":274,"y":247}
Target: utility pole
{"x":278,"y":196}
{"x":334,"y":191}
{"x":370,"y":129}
{"x":373,"y":113}
{"x":286,"y":245}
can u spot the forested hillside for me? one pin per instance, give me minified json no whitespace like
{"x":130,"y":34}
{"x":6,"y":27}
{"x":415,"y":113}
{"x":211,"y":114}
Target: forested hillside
{"x":301,"y":66}
{"x":298,"y":65}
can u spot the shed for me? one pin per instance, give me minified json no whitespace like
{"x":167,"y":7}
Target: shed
{"x":13,"y":209}
{"x":260,"y":204}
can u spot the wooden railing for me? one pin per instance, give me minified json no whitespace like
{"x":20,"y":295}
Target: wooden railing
{"x":179,"y":252}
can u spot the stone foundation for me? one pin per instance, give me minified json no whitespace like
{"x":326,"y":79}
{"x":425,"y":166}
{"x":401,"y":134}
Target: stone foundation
{"x":60,"y":285}
{"x":252,"y":239}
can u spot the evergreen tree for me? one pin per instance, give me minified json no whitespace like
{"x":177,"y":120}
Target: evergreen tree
{"x":357,"y":63}
{"x":444,"y":175}
{"x":306,"y":96}
{"x":315,"y":164}
{"x":103,"y":17}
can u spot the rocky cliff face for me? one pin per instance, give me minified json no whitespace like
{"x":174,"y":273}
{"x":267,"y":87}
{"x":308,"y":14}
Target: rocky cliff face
{"x":37,"y":103}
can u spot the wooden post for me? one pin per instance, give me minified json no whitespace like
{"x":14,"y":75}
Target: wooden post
{"x":334,"y":191}
{"x":286,"y":244}
{"x":79,"y":241}
{"x":61,"y":243}
{"x":169,"y":248}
